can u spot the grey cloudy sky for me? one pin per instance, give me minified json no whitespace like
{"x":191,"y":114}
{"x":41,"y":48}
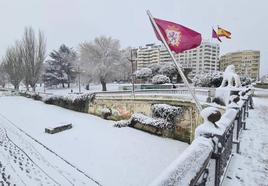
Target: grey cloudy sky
{"x":74,"y":21}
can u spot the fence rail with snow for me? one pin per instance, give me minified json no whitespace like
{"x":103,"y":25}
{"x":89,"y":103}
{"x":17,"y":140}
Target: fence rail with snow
{"x":180,"y":91}
{"x":208,"y":157}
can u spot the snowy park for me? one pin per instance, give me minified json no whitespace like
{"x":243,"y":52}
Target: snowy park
{"x":94,"y":152}
{"x":107,"y":155}
{"x":136,"y":93}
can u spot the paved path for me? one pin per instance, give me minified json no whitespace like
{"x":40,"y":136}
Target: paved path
{"x":250,"y":168}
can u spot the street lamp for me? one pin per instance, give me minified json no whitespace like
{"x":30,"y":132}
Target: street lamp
{"x":79,"y":79}
{"x":132,"y":72}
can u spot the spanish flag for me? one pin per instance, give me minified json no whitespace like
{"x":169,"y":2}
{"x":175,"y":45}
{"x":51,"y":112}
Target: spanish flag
{"x":223,"y":33}
{"x":215,"y":35}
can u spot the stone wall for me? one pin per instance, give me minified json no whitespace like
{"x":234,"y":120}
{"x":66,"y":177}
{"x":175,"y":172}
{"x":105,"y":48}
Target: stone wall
{"x":122,"y":107}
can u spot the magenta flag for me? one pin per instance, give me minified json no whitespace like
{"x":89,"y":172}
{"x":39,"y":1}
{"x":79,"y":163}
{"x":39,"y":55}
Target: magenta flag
{"x":178,"y":37}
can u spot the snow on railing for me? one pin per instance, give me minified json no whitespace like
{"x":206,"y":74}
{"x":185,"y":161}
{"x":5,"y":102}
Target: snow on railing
{"x":179,"y":91}
{"x":182,"y":171}
{"x":214,"y":141}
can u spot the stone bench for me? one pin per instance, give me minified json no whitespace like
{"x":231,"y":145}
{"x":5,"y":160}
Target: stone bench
{"x":58,"y":129}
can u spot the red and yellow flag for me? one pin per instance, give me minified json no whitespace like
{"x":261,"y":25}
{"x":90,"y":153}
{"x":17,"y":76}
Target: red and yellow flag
{"x":223,"y":33}
{"x":215,"y":35}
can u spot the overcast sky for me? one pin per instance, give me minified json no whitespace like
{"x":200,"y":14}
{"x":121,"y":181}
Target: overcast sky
{"x":74,"y":21}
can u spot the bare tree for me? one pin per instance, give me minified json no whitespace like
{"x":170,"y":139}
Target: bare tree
{"x":33,"y":53}
{"x":99,"y":58}
{"x":13,"y":65}
{"x":3,"y":76}
{"x":123,"y":66}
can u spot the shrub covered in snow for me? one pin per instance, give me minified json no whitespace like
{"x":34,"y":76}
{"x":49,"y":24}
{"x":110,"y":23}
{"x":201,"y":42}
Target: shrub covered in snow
{"x":77,"y":103}
{"x":144,"y":73}
{"x":160,"y":79}
{"x":122,"y":123}
{"x":166,"y":112}
{"x":106,"y":112}
{"x":218,"y":101}
{"x":155,"y":68}
{"x":169,"y":70}
{"x":146,"y":120}
{"x":208,"y":79}
{"x":245,"y":80}
{"x":32,"y":95}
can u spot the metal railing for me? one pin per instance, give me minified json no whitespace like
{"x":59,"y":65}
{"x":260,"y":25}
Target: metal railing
{"x":179,"y":91}
{"x":223,"y":148}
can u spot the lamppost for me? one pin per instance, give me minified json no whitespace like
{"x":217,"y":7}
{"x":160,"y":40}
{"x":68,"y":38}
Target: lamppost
{"x":132,"y":72}
{"x":79,"y":79}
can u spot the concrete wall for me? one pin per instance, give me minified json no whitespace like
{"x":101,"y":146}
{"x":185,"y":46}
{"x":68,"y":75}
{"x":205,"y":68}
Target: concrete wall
{"x":123,"y":107}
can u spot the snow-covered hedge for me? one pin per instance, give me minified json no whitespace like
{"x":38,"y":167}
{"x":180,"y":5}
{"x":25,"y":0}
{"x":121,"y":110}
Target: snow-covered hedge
{"x":168,"y":69}
{"x":160,"y":79}
{"x":122,"y":123}
{"x":245,"y":80}
{"x":32,"y":95}
{"x":73,"y":102}
{"x":146,"y":120}
{"x":143,"y":73}
{"x":166,"y":112}
{"x":105,"y":112}
{"x":208,"y":79}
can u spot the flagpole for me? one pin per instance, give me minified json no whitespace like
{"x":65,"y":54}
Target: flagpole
{"x":198,"y":105}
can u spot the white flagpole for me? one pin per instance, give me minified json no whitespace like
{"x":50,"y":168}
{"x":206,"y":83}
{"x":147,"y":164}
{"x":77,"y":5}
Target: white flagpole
{"x":198,"y":105}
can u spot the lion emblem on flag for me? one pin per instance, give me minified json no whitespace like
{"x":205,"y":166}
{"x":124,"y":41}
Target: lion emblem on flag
{"x":174,"y":36}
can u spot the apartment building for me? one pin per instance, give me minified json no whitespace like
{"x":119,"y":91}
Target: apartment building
{"x":203,"y":59}
{"x":246,"y":62}
{"x":147,"y":55}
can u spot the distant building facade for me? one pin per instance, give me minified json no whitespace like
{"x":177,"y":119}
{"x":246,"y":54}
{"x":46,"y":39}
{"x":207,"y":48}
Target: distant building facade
{"x":147,"y":55}
{"x":246,"y":62}
{"x":203,"y":59}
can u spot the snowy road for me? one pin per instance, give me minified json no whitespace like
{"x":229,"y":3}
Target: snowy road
{"x":105,"y":154}
{"x":250,"y":168}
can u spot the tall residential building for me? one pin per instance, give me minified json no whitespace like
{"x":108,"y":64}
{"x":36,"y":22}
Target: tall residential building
{"x":204,"y":58}
{"x":147,"y":55}
{"x":246,"y":62}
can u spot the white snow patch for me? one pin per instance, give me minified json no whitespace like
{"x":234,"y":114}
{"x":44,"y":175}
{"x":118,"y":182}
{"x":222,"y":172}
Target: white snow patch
{"x":181,"y":171}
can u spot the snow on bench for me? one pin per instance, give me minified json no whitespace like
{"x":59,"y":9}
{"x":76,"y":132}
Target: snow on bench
{"x":58,"y":129}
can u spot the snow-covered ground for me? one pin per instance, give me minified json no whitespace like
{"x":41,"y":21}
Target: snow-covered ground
{"x":94,"y":152}
{"x":104,"y":154}
{"x":250,"y":168}
{"x":75,"y":89}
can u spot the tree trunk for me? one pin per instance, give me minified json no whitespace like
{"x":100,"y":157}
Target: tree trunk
{"x":33,"y":85}
{"x":179,"y":79}
{"x":16,"y":86}
{"x":63,"y":85}
{"x":68,"y":84}
{"x":103,"y":84}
